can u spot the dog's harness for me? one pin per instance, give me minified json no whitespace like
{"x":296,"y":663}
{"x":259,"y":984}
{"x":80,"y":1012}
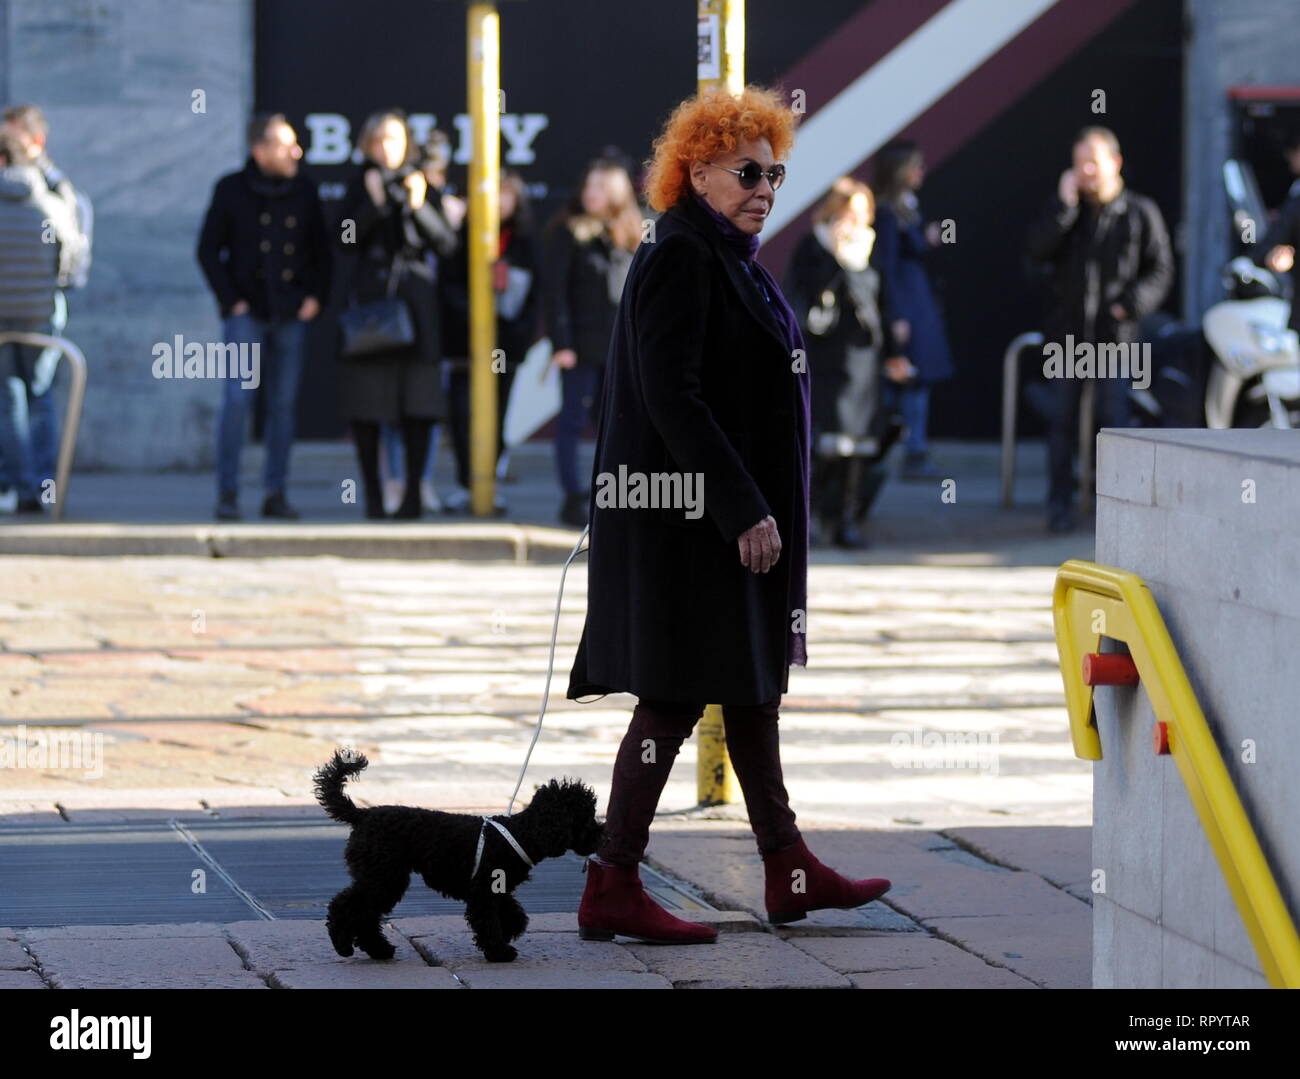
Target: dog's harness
{"x":482,"y":837}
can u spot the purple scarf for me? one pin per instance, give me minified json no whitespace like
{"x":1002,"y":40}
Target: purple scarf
{"x":745,"y":246}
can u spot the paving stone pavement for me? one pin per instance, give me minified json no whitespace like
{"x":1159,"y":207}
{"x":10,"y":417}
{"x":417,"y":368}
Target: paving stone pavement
{"x":927,"y":743}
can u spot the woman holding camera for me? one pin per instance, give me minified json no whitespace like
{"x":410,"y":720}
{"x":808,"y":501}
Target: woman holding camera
{"x":389,"y":223}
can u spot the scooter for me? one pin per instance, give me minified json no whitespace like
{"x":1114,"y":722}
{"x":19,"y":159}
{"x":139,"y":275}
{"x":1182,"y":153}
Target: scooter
{"x":1239,"y":368}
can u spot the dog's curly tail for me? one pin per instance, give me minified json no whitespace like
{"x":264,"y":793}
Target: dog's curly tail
{"x":329,"y":784}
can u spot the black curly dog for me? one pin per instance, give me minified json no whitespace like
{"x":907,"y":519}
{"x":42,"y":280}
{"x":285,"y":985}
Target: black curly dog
{"x":389,"y":843}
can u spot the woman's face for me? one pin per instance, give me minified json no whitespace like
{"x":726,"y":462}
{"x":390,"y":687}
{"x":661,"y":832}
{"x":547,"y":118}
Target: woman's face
{"x":915,"y":172}
{"x":506,"y":202}
{"x":747,"y":210}
{"x":596,"y":193}
{"x":389,"y":144}
{"x":856,"y":215}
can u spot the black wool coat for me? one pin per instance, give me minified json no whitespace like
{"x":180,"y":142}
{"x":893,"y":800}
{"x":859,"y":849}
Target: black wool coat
{"x":577,"y":307}
{"x":699,"y":379}
{"x":263,"y":240}
{"x":385,"y":387}
{"x":1097,"y":256}
{"x":846,"y":358}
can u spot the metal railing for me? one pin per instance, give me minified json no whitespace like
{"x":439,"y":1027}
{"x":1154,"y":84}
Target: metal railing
{"x":1091,"y":601}
{"x":1010,"y":402}
{"x":71,"y":419}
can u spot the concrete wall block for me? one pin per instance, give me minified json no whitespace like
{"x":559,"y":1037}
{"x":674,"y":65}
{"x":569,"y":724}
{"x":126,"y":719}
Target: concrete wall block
{"x":1139,"y":957}
{"x":1127,"y":803}
{"x":1185,"y":963}
{"x":1214,"y":483}
{"x":1186,"y":855}
{"x":1228,"y":588}
{"x":1230,"y":975}
{"x":1103,"y":942}
{"x":1126,"y":468}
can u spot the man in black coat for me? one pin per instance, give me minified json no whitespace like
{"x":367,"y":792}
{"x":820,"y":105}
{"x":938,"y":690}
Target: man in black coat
{"x":1111,"y":265}
{"x":1283,"y":236}
{"x":29,"y":282}
{"x":266,"y":256}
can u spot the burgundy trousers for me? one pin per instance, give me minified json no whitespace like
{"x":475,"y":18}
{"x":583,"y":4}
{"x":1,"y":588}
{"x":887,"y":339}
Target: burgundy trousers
{"x":646,"y":757}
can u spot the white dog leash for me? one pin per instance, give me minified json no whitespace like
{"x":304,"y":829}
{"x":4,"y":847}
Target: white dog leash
{"x":546,"y":696}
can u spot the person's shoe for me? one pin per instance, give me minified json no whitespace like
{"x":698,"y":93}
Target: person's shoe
{"x":228,"y":507}
{"x":850,"y":537}
{"x":429,"y":497}
{"x":410,"y":508}
{"x":1060,"y":519}
{"x":393,"y":492}
{"x":823,"y":888}
{"x":276,"y":505}
{"x":615,"y":902}
{"x":456,"y":502}
{"x":919,"y":467}
{"x":573,"y":511}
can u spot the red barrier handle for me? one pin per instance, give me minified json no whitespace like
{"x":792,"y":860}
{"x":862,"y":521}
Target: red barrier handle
{"x":1109,"y":669}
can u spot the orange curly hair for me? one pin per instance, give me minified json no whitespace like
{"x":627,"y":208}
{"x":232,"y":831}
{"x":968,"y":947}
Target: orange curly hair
{"x":709,"y":124}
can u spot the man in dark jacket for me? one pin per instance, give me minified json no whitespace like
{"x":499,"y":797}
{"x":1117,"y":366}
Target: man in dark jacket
{"x":1283,"y":236}
{"x":35,"y":224}
{"x":28,"y":125}
{"x":1111,"y":266}
{"x":265,"y":253}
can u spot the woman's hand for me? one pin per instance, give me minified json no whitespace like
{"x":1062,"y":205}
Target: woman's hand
{"x":1281,"y":258}
{"x":760,"y":546}
{"x":418,"y":186}
{"x":565,"y":358}
{"x":453,"y":209}
{"x":375,"y":187}
{"x":899,"y":369}
{"x":934,"y":234}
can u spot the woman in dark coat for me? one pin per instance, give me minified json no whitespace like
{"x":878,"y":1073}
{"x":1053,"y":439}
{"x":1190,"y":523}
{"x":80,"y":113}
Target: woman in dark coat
{"x":587,"y":248}
{"x":902,"y":242}
{"x":835,"y":292}
{"x":392,"y":226}
{"x":693,"y":600}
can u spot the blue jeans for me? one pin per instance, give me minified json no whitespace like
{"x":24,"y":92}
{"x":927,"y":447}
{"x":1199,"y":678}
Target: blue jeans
{"x":19,"y":384}
{"x":579,"y":398}
{"x":281,"y":351}
{"x":913,"y":403}
{"x":41,"y":413}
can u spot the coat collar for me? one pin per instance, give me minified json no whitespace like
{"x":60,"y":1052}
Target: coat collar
{"x":690,"y":215}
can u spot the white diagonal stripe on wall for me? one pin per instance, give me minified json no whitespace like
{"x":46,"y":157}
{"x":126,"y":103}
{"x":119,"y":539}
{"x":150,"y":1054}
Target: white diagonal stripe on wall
{"x":893,"y":92}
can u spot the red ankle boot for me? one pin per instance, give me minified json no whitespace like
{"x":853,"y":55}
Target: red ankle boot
{"x":823,"y":888}
{"x":615,"y":902}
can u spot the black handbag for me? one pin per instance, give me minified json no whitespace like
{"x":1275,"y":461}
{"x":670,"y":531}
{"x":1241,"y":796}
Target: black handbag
{"x":377,"y":326}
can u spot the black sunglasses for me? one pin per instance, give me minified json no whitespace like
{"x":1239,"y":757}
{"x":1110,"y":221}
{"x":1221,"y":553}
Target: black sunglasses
{"x":752,"y":173}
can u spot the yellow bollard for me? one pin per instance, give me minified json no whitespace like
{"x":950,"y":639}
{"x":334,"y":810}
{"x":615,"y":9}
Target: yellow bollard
{"x":715,"y":779}
{"x":721,"y":62}
{"x":484,"y":81}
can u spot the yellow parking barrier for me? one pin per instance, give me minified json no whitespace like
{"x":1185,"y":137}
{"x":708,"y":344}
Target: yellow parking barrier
{"x":1091,"y":601}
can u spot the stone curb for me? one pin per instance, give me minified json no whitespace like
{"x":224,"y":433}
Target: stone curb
{"x":513,"y":543}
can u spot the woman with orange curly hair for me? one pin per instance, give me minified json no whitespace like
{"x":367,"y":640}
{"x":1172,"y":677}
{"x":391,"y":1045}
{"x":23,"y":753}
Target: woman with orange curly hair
{"x":697,"y":578}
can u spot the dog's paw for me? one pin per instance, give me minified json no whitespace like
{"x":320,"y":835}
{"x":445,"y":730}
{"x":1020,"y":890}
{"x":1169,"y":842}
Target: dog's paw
{"x":341,"y":941}
{"x":378,"y":949}
{"x":501,"y":955}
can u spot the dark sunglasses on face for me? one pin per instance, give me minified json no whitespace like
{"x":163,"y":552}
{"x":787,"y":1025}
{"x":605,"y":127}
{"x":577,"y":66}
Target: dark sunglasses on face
{"x":752,"y":173}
